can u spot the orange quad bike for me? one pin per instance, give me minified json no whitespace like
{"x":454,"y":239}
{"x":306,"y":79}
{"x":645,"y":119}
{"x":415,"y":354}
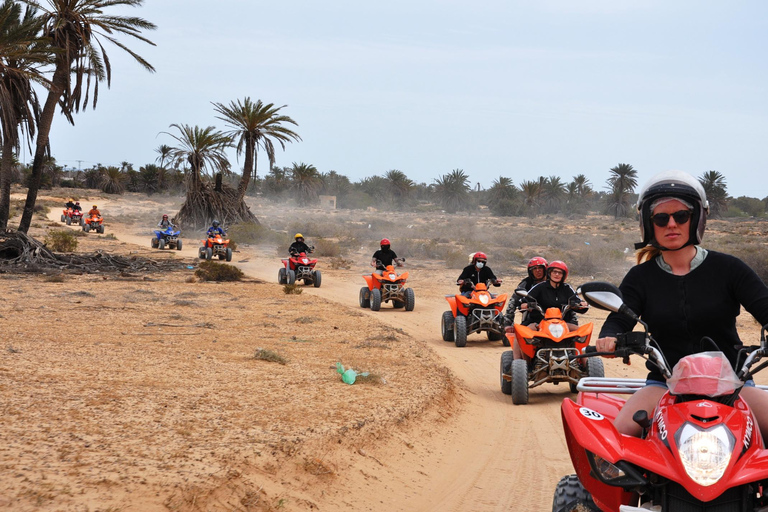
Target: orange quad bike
{"x":215,"y":246}
{"x":480,"y":312}
{"x":387,"y":287}
{"x":95,"y":223}
{"x":553,"y":353}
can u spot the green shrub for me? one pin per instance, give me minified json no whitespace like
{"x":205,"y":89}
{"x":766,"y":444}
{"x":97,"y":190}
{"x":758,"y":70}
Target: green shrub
{"x":292,"y":289}
{"x":213,"y":271}
{"x":61,"y":241}
{"x":327,"y":248}
{"x":263,"y":354}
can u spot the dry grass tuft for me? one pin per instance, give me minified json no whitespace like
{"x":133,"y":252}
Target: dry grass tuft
{"x":292,"y":289}
{"x":214,"y":271}
{"x":263,"y":354}
{"x":61,"y":241}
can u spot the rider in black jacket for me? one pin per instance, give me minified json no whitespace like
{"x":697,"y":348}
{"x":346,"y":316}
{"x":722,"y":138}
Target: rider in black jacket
{"x":553,"y":293}
{"x":476,"y":272}
{"x":537,"y":269}
{"x":298,"y":246}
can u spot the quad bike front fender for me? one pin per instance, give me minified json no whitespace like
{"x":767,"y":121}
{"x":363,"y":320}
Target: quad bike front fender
{"x":522,"y":332}
{"x":285,"y":263}
{"x":452,"y":302}
{"x":587,"y":430}
{"x":371,"y":282}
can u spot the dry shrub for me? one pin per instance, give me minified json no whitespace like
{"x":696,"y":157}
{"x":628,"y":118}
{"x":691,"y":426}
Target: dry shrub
{"x":263,"y":354}
{"x":57,"y":278}
{"x":292,"y":289}
{"x":61,"y":241}
{"x":327,"y":248}
{"x":340,"y":263}
{"x":251,"y":233}
{"x":213,"y":271}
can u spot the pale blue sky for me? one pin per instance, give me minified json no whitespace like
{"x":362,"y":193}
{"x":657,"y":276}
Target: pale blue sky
{"x":513,"y":88}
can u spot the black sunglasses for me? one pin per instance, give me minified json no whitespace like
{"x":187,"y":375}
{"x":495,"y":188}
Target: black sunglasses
{"x":662,"y":219}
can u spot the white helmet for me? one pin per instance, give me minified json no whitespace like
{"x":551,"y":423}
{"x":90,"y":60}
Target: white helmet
{"x":676,"y":184}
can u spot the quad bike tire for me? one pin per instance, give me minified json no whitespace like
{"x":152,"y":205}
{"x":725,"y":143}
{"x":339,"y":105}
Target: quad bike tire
{"x":594,"y":369}
{"x":81,"y":222}
{"x":570,"y":496}
{"x":375,"y":299}
{"x":494,"y":336}
{"x":446,"y":326}
{"x":410,"y":299}
{"x":201,"y":253}
{"x":229,"y":254}
{"x":161,"y":244}
{"x":398,"y":304}
{"x":282,"y":277}
{"x":364,"y":299}
{"x":317,"y":278}
{"x":519,"y":384}
{"x":506,"y":367}
{"x":63,"y":218}
{"x":86,"y":227}
{"x":178,"y":245}
{"x":290,"y":277}
{"x":68,"y":221}
{"x":153,"y":243}
{"x":208,"y":253}
{"x":101,"y":229}
{"x":505,"y":340}
{"x":460,"y":331}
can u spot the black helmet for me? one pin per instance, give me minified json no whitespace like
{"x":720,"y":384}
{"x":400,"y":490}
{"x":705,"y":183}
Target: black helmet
{"x":677,"y":185}
{"x":215,"y":223}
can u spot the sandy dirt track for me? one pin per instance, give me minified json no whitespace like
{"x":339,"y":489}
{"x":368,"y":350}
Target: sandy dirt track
{"x":481,"y":453}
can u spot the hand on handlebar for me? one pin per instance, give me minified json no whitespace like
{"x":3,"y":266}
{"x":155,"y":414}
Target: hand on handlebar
{"x":607,"y":344}
{"x":497,"y":282}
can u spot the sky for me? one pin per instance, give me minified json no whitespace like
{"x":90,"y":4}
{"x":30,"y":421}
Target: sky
{"x":519,"y":89}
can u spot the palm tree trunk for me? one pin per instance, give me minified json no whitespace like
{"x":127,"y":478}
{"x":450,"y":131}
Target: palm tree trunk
{"x":58,"y":84}
{"x":5,"y":182}
{"x":249,"y":168}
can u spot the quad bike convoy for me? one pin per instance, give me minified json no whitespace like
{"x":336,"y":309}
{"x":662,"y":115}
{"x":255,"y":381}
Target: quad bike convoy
{"x":389,"y":286}
{"x":481,"y":312}
{"x":701,"y":450}
{"x":552,"y":354}
{"x":71,"y":216}
{"x":168,"y":237}
{"x":215,"y":246}
{"x":93,"y":223}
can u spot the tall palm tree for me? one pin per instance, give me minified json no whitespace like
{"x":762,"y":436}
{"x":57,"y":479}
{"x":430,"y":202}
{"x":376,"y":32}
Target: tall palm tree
{"x":621,"y":183}
{"x":23,"y":56}
{"x":258,"y":126}
{"x":582,"y":186}
{"x":553,"y":192}
{"x":452,"y":190}
{"x":164,"y":154}
{"x":532,"y":195}
{"x":74,"y":29}
{"x":399,"y":186}
{"x":306,"y":181}
{"x":201,"y":149}
{"x":502,"y":189}
{"x":717,"y":192}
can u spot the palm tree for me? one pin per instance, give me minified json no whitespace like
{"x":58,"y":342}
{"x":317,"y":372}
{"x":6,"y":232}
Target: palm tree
{"x":399,"y":186}
{"x":621,"y":184}
{"x":164,"y":154}
{"x":73,"y":29}
{"x":306,"y":181}
{"x":532,"y":195}
{"x":553,"y":191}
{"x":112,"y":180}
{"x":717,"y":192}
{"x":257,"y":125}
{"x":204,"y":149}
{"x":452,"y":190}
{"x":23,"y":54}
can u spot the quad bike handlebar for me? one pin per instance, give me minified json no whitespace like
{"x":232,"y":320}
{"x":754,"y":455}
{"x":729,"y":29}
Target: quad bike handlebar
{"x":397,"y":261}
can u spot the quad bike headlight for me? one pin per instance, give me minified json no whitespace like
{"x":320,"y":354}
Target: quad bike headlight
{"x":618,"y":474}
{"x":607,"y":470}
{"x":484,"y":298}
{"x":705,"y":453}
{"x":392,"y":276}
{"x":556,"y":330}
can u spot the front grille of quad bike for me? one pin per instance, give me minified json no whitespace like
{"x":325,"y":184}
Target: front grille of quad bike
{"x":303,"y":271}
{"x":485,"y":319}
{"x":555,"y":365}
{"x":391,"y":290}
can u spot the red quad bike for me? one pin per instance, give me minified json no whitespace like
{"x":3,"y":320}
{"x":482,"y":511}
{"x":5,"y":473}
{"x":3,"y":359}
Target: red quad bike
{"x":389,"y":286}
{"x":552,"y":354}
{"x":215,"y":246}
{"x":701,"y":450}
{"x":299,"y":266}
{"x":477,"y":313}
{"x":94,"y":223}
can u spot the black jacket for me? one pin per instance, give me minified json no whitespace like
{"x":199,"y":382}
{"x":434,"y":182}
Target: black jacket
{"x":548,"y":296}
{"x":471,"y":276}
{"x":298,"y":247}
{"x":385,"y":257}
{"x":680,"y":310}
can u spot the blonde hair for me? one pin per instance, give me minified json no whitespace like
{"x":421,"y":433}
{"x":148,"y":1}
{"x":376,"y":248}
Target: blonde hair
{"x":647,"y":253}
